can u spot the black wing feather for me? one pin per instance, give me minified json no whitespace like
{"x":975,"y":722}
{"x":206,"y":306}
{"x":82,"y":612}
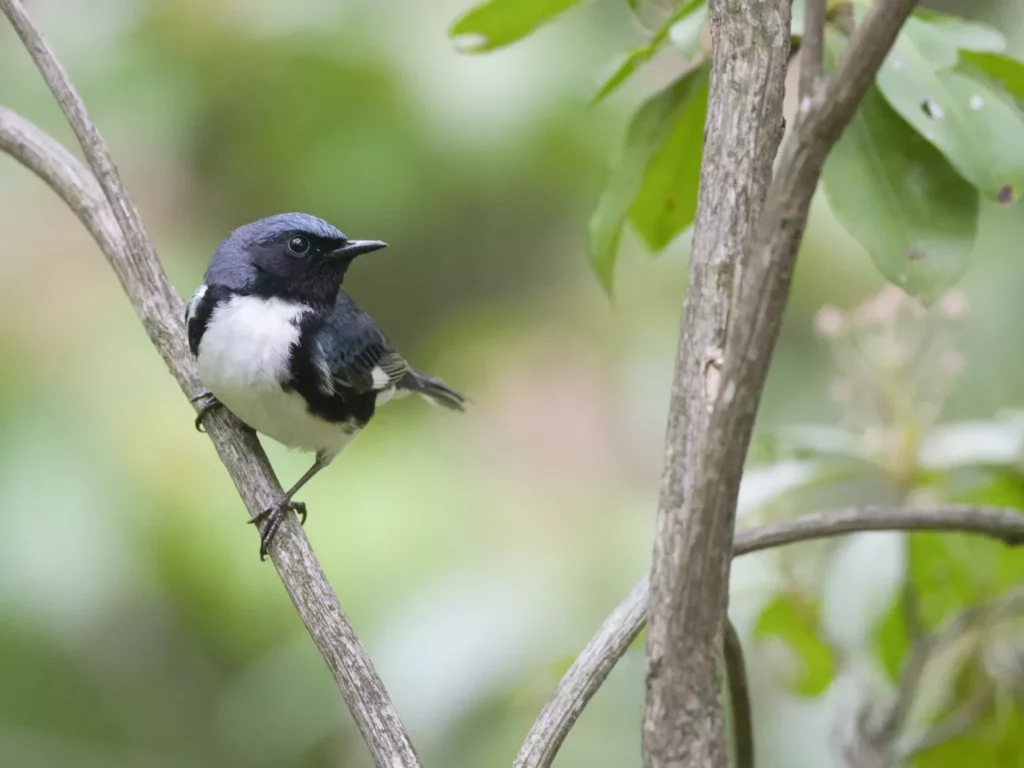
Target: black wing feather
{"x":355,"y":352}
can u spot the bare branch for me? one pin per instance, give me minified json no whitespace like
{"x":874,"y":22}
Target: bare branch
{"x":812,"y":47}
{"x":689,"y":577}
{"x":117,"y":228}
{"x":610,"y":642}
{"x":583,"y":679}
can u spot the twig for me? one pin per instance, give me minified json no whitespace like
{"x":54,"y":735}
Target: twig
{"x":739,"y":698}
{"x":812,"y":47}
{"x":583,"y":679}
{"x":610,"y":642}
{"x":117,"y":228}
{"x":689,"y":578}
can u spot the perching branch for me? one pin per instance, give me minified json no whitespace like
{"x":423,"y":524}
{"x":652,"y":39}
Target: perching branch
{"x":108,"y":213}
{"x":752,"y":251}
{"x":610,"y":642}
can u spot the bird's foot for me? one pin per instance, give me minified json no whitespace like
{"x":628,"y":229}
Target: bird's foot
{"x":205,"y":402}
{"x":270,"y":519}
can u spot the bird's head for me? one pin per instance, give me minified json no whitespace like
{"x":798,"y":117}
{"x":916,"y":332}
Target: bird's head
{"x":292,"y":256}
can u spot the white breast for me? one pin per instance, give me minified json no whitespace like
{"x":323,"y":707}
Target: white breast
{"x":243,"y":359}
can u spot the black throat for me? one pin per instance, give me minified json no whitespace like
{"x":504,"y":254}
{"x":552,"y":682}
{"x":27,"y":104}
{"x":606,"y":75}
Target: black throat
{"x":316,"y":288}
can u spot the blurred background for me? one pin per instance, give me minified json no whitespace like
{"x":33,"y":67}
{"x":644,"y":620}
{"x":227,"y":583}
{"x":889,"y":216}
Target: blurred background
{"x":475,"y":555}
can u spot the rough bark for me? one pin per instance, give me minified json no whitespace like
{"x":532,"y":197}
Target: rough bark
{"x":750,"y":248}
{"x":682,"y":720}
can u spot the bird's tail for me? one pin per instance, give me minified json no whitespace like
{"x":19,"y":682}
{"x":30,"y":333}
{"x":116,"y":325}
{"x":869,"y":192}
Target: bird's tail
{"x":433,"y":390}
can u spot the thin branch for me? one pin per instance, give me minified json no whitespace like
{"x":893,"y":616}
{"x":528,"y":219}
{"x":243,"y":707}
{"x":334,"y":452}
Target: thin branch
{"x":115,"y":225}
{"x":583,"y":679}
{"x":739,"y":698}
{"x":610,"y":642}
{"x":682,"y":722}
{"x":812,"y":47}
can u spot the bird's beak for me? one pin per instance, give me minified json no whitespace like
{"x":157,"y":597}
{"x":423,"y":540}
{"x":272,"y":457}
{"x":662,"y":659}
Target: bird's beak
{"x":353,"y":248}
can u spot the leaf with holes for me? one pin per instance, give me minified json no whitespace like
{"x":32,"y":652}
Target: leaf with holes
{"x":500,"y":22}
{"x":796,"y":622}
{"x":666,"y":203}
{"x":900,"y":199}
{"x":650,"y":127}
{"x":978,"y":128}
{"x":642,"y":55}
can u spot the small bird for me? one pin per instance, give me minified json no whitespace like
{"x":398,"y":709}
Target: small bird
{"x":281,"y":346}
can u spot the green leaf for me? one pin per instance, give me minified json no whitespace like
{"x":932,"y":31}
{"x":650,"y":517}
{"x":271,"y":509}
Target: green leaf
{"x":977,"y":128}
{"x":955,"y":33}
{"x":500,"y":22}
{"x":797,"y":622}
{"x":1004,"y":70}
{"x":892,"y":643}
{"x":943,"y":571}
{"x":666,"y":203}
{"x":900,"y":199}
{"x":652,"y":124}
{"x":629,"y":64}
{"x":639,"y":56}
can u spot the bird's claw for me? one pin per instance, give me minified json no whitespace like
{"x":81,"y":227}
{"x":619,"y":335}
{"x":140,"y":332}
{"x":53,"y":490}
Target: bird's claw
{"x":270,"y":519}
{"x":205,"y":402}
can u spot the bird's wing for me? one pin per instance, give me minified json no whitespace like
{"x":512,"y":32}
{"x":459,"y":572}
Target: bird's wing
{"x":356,"y":356}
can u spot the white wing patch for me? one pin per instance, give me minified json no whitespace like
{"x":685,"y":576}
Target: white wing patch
{"x":380,"y":377}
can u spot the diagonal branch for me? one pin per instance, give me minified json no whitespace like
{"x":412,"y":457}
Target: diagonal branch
{"x":682,"y":722}
{"x":116,"y":226}
{"x":619,"y":630}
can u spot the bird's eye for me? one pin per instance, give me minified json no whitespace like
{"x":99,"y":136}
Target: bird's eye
{"x":298,"y":245}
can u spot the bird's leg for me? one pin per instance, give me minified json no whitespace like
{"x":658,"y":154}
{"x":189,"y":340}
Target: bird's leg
{"x":270,"y":519}
{"x":206,"y":402}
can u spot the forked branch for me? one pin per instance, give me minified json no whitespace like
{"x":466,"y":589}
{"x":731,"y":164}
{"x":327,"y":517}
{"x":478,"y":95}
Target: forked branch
{"x":589,"y":671}
{"x":746,"y":235}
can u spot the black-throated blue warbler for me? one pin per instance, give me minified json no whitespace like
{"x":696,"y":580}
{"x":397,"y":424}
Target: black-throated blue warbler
{"x":279,"y":344}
